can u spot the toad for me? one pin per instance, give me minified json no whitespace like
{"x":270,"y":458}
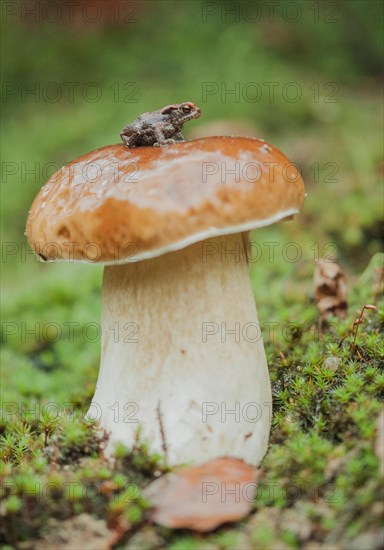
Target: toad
{"x":162,"y":127}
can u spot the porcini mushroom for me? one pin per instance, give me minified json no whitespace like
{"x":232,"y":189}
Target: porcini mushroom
{"x":181,"y":358}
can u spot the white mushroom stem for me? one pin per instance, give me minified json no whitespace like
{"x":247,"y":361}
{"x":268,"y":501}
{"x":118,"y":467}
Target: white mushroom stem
{"x":182,"y":356}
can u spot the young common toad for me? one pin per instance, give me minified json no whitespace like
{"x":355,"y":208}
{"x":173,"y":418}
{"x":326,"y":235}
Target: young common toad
{"x":161,"y":127}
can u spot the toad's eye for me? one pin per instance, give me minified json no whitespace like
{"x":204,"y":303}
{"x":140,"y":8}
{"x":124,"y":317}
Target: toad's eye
{"x":185,"y":109}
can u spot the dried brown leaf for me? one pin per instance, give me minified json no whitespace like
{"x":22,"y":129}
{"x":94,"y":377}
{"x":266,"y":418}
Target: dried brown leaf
{"x":203,"y":497}
{"x":330,"y":291}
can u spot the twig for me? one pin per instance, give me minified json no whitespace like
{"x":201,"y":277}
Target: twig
{"x":162,"y":431}
{"x":357,"y":322}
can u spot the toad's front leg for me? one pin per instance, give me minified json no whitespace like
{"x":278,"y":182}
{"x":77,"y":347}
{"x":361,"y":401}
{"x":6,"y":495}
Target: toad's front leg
{"x":179,"y":136}
{"x":161,"y":139}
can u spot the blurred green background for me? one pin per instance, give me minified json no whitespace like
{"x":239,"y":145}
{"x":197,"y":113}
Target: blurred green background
{"x":95,"y":66}
{"x":306,"y":77}
{"x":91,"y":79}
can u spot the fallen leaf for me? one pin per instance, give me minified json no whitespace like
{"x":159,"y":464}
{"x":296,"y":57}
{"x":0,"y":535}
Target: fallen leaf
{"x":330,"y":291}
{"x":203,"y":497}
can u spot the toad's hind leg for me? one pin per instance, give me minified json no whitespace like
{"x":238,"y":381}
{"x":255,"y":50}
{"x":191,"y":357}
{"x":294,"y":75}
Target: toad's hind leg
{"x":160,"y":138}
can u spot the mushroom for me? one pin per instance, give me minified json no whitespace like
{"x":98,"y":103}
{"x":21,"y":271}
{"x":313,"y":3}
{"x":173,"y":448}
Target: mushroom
{"x":182,"y":358}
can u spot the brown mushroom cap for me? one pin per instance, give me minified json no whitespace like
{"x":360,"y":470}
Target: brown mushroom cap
{"x":120,"y":204}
